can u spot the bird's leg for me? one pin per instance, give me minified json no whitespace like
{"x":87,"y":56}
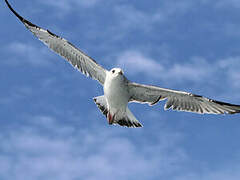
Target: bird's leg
{"x":110,"y":118}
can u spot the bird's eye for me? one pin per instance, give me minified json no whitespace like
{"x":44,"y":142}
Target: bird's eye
{"x":113,"y":71}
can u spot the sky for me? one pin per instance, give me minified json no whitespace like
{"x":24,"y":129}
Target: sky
{"x":51,"y":128}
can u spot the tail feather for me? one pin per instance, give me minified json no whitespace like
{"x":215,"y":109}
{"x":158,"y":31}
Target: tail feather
{"x":101,"y":103}
{"x":128,"y":119}
{"x":131,"y":119}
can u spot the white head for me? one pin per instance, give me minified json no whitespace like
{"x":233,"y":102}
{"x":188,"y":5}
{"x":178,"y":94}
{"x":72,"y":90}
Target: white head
{"x":115,"y":72}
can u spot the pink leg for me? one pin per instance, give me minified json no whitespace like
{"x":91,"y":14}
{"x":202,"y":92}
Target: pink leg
{"x":110,"y":118}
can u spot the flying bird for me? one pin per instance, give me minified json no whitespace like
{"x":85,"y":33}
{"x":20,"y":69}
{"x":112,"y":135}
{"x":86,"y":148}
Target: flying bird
{"x":118,"y":90}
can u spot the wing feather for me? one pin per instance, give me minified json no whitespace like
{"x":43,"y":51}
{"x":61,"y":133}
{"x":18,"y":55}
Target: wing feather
{"x":179,"y":100}
{"x":61,"y":46}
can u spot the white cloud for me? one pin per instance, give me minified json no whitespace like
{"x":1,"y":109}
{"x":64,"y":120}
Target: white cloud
{"x":131,"y":17}
{"x":43,"y":148}
{"x":67,"y":5}
{"x":28,"y":53}
{"x":197,"y":69}
{"x":231,"y":172}
{"x":127,"y":15}
{"x":230,"y":66}
{"x":136,"y":63}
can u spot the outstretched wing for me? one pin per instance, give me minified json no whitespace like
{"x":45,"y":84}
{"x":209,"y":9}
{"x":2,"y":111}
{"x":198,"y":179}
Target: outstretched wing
{"x":61,"y":46}
{"x":179,"y":100}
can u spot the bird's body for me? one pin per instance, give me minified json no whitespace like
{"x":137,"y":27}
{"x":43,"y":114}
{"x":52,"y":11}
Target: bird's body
{"x":118,"y":90}
{"x":115,"y":90}
{"x":116,"y":94}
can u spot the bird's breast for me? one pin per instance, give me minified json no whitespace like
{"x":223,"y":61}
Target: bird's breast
{"x":116,"y":93}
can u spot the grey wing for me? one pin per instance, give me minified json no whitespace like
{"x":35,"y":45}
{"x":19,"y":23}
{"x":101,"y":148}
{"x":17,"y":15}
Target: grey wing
{"x":179,"y":100}
{"x":76,"y":57}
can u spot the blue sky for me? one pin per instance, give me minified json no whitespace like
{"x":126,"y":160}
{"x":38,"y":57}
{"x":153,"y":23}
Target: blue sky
{"x":50,"y":126}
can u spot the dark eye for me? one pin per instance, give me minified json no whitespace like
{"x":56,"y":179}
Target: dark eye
{"x":113,"y":71}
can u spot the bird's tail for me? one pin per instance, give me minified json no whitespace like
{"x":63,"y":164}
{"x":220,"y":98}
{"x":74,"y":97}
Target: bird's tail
{"x":127,"y":119}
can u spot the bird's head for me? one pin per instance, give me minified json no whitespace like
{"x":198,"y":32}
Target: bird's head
{"x":116,"y":72}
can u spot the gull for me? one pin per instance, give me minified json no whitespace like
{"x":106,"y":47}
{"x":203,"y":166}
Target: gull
{"x":118,"y":90}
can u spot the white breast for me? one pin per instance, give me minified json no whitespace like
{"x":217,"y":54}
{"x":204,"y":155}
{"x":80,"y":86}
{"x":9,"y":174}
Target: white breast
{"x":116,"y":93}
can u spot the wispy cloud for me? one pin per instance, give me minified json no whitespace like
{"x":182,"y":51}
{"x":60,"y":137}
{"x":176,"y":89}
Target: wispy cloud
{"x":26,"y":53}
{"x":136,"y":63}
{"x":131,"y":17}
{"x":231,"y":67}
{"x":232,"y":172}
{"x":126,"y":14}
{"x":67,"y":5}
{"x":45,"y":148}
{"x":196,"y":69}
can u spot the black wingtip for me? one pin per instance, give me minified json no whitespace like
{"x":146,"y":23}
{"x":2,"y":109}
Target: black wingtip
{"x":236,"y":108}
{"x":223,"y":103}
{"x":10,"y":7}
{"x":24,"y":21}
